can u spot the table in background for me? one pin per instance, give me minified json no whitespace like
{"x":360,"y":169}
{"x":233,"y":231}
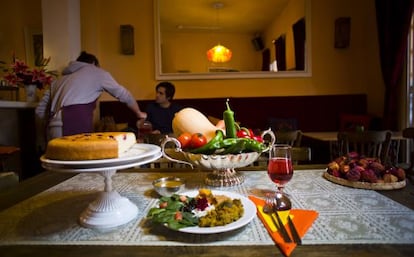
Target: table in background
{"x":330,"y":137}
{"x":19,"y":128}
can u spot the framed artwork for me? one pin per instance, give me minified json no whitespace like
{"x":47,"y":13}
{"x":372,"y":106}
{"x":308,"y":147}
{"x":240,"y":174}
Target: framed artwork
{"x":127,"y":39}
{"x":33,"y":39}
{"x":342,"y":32}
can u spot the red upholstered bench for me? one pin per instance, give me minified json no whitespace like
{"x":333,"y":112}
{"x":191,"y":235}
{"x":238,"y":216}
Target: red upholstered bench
{"x":312,"y":113}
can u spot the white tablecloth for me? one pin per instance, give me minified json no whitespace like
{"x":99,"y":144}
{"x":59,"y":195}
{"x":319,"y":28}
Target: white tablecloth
{"x":346,"y":215}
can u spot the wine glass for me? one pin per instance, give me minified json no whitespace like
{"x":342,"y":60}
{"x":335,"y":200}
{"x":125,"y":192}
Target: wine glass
{"x":280,"y":171}
{"x":144,"y":129}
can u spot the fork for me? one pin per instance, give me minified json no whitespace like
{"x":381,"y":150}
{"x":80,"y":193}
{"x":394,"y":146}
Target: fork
{"x":268,"y":208}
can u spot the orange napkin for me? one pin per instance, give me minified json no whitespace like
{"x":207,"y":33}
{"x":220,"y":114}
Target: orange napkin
{"x":303,"y":220}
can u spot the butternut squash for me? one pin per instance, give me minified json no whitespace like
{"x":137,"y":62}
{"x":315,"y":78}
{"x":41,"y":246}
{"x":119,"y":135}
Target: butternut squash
{"x":192,"y":121}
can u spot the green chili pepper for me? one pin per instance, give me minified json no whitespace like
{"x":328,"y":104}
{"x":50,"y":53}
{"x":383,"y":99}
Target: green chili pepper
{"x":253,"y":145}
{"x":227,"y":142}
{"x":228,"y":117}
{"x":236,"y":148}
{"x":212,"y":145}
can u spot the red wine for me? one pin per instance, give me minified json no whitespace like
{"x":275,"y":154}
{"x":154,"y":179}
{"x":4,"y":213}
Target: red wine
{"x":280,"y":170}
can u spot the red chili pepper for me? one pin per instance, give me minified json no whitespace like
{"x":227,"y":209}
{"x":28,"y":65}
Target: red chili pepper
{"x":243,"y":133}
{"x":255,"y":137}
{"x":258,"y":138}
{"x":251,"y":133}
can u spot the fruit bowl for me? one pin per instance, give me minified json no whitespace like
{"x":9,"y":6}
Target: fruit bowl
{"x":358,"y":171}
{"x":222,"y":166}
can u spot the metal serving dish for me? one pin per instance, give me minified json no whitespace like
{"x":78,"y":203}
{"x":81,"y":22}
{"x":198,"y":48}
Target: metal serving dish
{"x":222,"y":166}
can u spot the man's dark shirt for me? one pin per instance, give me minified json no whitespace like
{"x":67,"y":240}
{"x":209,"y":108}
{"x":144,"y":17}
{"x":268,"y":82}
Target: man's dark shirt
{"x":161,"y":118}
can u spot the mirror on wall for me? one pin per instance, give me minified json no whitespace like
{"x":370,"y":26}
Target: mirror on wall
{"x":267,"y":38}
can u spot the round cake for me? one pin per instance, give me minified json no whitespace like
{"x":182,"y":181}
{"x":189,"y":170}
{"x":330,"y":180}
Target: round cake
{"x":90,"y":146}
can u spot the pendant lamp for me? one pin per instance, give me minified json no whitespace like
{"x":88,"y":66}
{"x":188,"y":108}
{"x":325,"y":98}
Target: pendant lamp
{"x":219,"y":53}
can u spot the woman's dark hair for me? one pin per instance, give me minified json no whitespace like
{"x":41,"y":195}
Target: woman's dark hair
{"x":88,"y":58}
{"x":169,"y":89}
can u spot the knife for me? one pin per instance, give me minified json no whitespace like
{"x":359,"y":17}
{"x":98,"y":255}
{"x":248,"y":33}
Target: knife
{"x":295,"y":235}
{"x":281,"y":228}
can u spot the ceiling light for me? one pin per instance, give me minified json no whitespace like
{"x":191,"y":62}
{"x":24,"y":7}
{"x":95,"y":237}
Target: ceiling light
{"x":219,"y":53}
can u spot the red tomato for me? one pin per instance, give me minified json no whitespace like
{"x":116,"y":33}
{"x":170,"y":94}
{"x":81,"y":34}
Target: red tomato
{"x":178,"y":216}
{"x":198,"y":140}
{"x":184,"y":139}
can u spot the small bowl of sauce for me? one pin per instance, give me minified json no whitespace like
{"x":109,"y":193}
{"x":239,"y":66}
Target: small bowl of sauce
{"x":167,"y":186}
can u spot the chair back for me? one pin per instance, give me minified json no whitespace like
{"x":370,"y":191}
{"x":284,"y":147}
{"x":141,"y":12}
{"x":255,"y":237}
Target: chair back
{"x":283,"y":124}
{"x":292,"y":138}
{"x":368,"y":143}
{"x":409,"y":134}
{"x":301,"y":155}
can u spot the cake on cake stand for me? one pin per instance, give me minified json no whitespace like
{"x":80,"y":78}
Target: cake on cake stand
{"x":110,"y":209}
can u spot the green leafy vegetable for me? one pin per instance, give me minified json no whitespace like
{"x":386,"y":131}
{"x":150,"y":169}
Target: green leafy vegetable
{"x":168,"y":213}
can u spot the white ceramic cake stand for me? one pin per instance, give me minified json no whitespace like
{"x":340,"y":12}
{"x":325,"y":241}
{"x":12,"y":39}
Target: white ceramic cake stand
{"x":110,"y":209}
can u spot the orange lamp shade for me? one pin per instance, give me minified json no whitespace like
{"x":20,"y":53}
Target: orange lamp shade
{"x":219,"y":53}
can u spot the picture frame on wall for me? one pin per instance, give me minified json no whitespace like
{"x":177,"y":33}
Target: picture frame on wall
{"x":127,"y":39}
{"x":342,"y":32}
{"x":33,"y":38}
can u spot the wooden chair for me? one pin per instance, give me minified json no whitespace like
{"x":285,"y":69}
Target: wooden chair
{"x":283,"y":124}
{"x":292,"y":138}
{"x":300,"y":155}
{"x":409,"y":166}
{"x":5,"y":153}
{"x":368,"y":143}
{"x":7,"y":178}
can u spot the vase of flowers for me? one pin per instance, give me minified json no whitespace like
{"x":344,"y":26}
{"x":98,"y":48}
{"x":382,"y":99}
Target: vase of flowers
{"x":18,"y":73}
{"x":30,"y":91}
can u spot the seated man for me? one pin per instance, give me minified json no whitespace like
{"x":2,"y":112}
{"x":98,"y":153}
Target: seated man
{"x":161,"y":113}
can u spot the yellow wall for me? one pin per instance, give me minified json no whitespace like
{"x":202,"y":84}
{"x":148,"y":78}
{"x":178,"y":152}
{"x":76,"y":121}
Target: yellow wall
{"x":282,"y":25}
{"x":193,"y":58}
{"x":16,"y":16}
{"x":335,"y":71}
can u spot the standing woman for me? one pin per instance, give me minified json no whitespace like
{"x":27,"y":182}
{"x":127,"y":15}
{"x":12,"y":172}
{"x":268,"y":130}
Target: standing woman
{"x":70,"y":102}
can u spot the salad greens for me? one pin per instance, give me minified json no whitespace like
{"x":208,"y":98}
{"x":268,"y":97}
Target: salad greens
{"x":175,"y":211}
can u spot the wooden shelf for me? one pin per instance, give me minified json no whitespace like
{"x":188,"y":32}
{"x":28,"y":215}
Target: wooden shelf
{"x":13,"y":90}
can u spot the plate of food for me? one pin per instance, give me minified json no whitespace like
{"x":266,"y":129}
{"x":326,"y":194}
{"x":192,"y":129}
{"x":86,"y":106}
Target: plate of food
{"x":357,"y":171}
{"x":203,"y":211}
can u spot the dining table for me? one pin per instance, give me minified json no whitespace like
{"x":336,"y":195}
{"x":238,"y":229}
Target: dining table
{"x":399,"y":144}
{"x":39,"y":217}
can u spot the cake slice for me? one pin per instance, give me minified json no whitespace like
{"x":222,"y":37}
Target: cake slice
{"x":90,"y":146}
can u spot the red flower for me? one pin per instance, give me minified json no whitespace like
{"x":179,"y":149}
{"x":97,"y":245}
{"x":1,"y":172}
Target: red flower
{"x":19,"y":73}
